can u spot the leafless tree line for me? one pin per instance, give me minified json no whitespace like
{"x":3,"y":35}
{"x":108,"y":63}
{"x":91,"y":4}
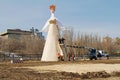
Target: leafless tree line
{"x":106,"y":43}
{"x":34,"y":45}
{"x":26,"y":45}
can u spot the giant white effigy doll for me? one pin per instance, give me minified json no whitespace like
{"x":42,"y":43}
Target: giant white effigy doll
{"x":52,"y":48}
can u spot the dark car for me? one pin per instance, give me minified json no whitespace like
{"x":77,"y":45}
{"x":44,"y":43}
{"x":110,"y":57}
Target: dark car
{"x":92,"y":54}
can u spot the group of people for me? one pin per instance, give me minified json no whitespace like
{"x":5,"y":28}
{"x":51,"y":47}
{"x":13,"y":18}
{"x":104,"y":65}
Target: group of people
{"x":61,"y":58}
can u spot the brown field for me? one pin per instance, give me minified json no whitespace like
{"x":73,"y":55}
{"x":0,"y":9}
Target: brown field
{"x":28,"y":71}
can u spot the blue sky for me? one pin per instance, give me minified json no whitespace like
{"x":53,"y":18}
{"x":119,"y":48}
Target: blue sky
{"x":87,"y":16}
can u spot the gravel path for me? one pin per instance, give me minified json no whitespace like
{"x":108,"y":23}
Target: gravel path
{"x":79,"y":68}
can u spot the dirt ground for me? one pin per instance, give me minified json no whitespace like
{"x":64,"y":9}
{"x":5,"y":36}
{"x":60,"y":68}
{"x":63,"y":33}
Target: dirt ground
{"x":37,"y":70}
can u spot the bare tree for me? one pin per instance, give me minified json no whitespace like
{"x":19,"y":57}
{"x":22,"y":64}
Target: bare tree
{"x":26,"y":44}
{"x":10,"y":45}
{"x":32,"y":45}
{"x":108,"y":44}
{"x":68,"y":35}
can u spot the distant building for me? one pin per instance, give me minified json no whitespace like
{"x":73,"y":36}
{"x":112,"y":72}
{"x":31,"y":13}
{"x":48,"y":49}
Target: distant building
{"x":37,"y":33}
{"x":17,"y":34}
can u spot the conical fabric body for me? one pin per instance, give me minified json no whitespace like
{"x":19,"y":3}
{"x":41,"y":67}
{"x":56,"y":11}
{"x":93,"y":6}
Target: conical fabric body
{"x":51,"y":48}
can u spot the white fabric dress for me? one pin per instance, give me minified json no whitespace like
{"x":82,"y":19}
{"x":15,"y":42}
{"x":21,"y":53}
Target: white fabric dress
{"x":52,"y":47}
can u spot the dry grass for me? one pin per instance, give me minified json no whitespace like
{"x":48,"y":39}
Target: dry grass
{"x":10,"y":72}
